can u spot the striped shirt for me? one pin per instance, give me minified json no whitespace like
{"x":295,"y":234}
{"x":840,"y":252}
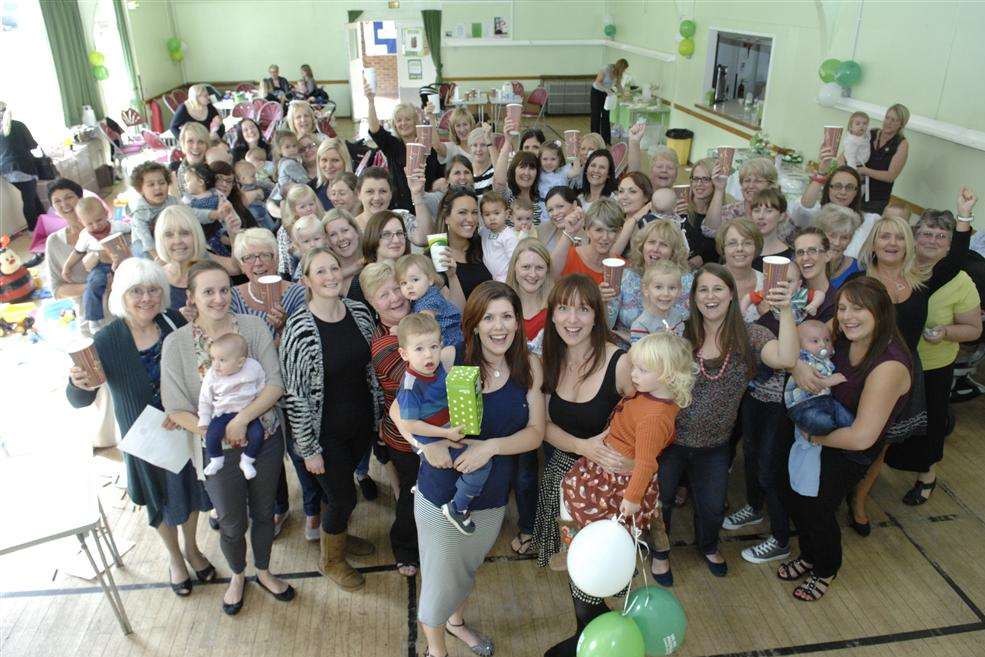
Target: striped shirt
{"x":390,"y":369}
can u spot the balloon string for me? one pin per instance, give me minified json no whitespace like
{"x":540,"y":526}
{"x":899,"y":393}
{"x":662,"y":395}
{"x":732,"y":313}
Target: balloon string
{"x":640,"y":547}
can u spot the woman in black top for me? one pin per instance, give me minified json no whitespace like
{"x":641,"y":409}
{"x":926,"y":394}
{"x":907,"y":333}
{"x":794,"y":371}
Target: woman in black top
{"x":458,"y":216}
{"x":394,"y":145}
{"x":888,"y":157}
{"x":585,"y":376}
{"x":17,"y":163}
{"x":248,"y":135}
{"x":198,"y":108}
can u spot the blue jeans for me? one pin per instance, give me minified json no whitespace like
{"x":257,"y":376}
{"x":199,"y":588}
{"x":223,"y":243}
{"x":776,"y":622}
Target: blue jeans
{"x":707,"y":470}
{"x":312,"y":495}
{"x":525,"y":488}
{"x":469,"y":484}
{"x":767,"y":436}
{"x":217,"y":429}
{"x":92,"y":298}
{"x":820,"y":415}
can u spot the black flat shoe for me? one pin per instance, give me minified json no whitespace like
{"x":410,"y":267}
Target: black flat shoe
{"x":284,"y":596}
{"x":863,"y":529}
{"x":368,"y":488}
{"x":36,"y":260}
{"x":205,"y":575}
{"x":214,"y":522}
{"x":181,"y":589}
{"x":914,"y":496}
{"x":234,"y":608}
{"x":663,"y":579}
{"x":717,"y":569}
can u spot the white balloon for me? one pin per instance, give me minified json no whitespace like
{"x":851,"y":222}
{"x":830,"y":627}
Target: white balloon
{"x":829,"y":94}
{"x":602,"y":558}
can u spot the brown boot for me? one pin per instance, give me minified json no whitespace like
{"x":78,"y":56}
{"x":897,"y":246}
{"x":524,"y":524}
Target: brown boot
{"x":334,"y":566}
{"x":358,"y":547}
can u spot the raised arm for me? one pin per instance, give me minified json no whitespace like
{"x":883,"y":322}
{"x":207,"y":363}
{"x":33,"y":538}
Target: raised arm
{"x":502,"y":164}
{"x":634,"y":153}
{"x":423,"y":224}
{"x":781,"y":354}
{"x":713,"y":218}
{"x":371,"y":118}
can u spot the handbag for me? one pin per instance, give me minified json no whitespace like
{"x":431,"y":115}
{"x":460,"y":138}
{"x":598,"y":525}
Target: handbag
{"x":45,"y":167}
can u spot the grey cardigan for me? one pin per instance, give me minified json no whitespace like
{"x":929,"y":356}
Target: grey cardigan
{"x":181,"y":383}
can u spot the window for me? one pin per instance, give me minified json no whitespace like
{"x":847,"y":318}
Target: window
{"x":115,"y":90}
{"x":736,"y":75}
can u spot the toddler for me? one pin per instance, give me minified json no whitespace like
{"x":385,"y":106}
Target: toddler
{"x":522,"y":212}
{"x":418,"y":283}
{"x":97,"y":226}
{"x":855,"y":144}
{"x":307,"y":234}
{"x":257,"y":156}
{"x":287,"y":161}
{"x":231,"y":384}
{"x":423,"y":401}
{"x":661,"y":288}
{"x":498,"y":239}
{"x":813,"y":415}
{"x":219,"y":152}
{"x":554,"y":168}
{"x":200,"y":191}
{"x":300,"y":201}
{"x":805,"y":302}
{"x":640,"y":428}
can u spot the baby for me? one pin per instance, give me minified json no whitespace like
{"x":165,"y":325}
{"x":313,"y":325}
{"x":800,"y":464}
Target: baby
{"x":287,"y":156}
{"x":307,"y":234}
{"x":855,"y":144}
{"x":661,"y":288}
{"x":219,"y":153}
{"x":805,"y":302}
{"x":231,"y":384}
{"x":418,"y":283}
{"x":522,"y":212}
{"x":498,"y":239}
{"x":97,"y":226}
{"x":200,"y":187}
{"x":264,"y":169}
{"x":423,"y":401}
{"x":813,"y":415}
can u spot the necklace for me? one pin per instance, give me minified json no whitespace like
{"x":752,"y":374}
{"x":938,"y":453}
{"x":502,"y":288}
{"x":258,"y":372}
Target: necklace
{"x":721,"y":371}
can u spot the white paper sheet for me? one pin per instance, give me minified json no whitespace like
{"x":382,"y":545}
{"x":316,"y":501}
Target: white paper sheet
{"x":149,"y":441}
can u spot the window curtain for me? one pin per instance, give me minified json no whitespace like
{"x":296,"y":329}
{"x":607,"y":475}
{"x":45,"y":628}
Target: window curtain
{"x":432,"y":29}
{"x":121,"y":26}
{"x":354,"y":15}
{"x":63,"y":23}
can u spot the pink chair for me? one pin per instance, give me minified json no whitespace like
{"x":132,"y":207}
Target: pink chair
{"x":154,"y":141}
{"x":325,"y":127}
{"x":618,"y":151}
{"x":132,"y":118}
{"x":258,"y":104}
{"x":244,"y":110}
{"x":246,"y":87}
{"x":179,"y":96}
{"x":538,"y":98}
{"x":270,"y":115}
{"x":118,"y":152}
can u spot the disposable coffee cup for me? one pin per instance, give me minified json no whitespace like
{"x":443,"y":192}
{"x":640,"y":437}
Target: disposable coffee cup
{"x":435,"y":101}
{"x":84,"y":356}
{"x":269,"y":290}
{"x":370,"y":75}
{"x":832,"y":136}
{"x":513,"y":113}
{"x":438,"y":244}
{"x":612,"y":272}
{"x":725,"y":156}
{"x":683,"y":193}
{"x":774,"y":270}
{"x":116,"y":246}
{"x":571,"y":139}
{"x":425,"y":135}
{"x":416,"y":154}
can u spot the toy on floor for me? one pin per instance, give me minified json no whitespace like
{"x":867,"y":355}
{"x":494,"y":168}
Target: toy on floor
{"x":16,"y":283}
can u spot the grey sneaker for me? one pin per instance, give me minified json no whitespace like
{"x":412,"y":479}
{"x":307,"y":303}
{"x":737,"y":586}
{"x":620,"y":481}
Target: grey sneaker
{"x":461,"y":521}
{"x":744,"y":516}
{"x":768,"y":550}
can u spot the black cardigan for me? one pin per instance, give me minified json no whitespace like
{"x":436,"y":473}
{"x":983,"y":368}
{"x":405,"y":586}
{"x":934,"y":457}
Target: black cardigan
{"x":181,"y":117}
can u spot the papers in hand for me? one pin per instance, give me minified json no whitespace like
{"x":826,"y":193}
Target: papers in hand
{"x":148,"y":440}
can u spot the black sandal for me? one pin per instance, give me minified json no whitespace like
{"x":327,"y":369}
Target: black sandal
{"x":914,"y":497}
{"x":483,"y":645}
{"x":205,"y":575}
{"x":791,"y":571}
{"x":181,"y":589}
{"x":813,"y":589}
{"x":526,"y":545}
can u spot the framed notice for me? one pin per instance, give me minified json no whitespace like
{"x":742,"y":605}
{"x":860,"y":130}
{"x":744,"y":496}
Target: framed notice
{"x":413,"y":41}
{"x":414,"y":69}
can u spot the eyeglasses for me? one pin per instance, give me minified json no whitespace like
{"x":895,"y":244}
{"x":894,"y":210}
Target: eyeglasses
{"x":386,"y":236}
{"x":811,"y":251}
{"x":938,"y":237}
{"x":843,"y":187}
{"x":137,"y":292}
{"x":250,"y":258}
{"x":701,"y":179}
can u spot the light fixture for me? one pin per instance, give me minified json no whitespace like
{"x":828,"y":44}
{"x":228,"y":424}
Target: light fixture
{"x":393,"y":4}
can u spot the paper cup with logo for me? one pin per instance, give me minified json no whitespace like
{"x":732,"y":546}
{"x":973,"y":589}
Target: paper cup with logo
{"x":370,"y":74}
{"x":269,"y":290}
{"x":116,"y":245}
{"x":425,"y":135}
{"x":612,"y":269}
{"x":774,"y":270}
{"x":514,"y":113}
{"x":435,"y":101}
{"x":725,"y":156}
{"x":571,"y":139}
{"x":84,"y":356}
{"x":416,"y":154}
{"x":832,"y":137}
{"x":438,"y":244}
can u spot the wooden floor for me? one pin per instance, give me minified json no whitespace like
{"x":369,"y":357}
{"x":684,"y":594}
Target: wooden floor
{"x":914,"y":587}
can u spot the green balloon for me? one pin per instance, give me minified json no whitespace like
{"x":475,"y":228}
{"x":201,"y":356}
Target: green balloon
{"x":609,"y":635}
{"x":686,"y":47}
{"x":828,"y":69}
{"x":660,"y":618}
{"x":96,"y":58}
{"x":173,"y":44}
{"x":687,"y":28}
{"x":176,"y":55}
{"x":849,"y":73}
{"x":610,"y":30}
{"x":100,"y":72}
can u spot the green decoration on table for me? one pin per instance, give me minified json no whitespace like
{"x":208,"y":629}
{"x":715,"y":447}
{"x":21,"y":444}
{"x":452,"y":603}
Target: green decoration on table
{"x":609,"y":635}
{"x":828,"y":69}
{"x":97,"y":58}
{"x":174,"y":44}
{"x":688,"y":28}
{"x":686,"y":47}
{"x":100,"y":72}
{"x":609,"y":30}
{"x":176,"y":55}
{"x":660,"y":618}
{"x":849,"y":73}
{"x":760,"y":144}
{"x":464,"y":385}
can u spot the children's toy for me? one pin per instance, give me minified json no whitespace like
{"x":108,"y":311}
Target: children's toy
{"x":16,"y":283}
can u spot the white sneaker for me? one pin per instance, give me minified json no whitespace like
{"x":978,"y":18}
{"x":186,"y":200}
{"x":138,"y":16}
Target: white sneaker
{"x":214,"y":466}
{"x":246,"y":465}
{"x":744,"y":516}
{"x":768,"y":550}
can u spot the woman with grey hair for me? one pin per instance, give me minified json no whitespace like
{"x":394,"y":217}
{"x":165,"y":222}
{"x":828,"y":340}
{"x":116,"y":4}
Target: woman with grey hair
{"x":839,"y":224}
{"x":664,"y":163}
{"x":591,"y":242}
{"x":130,"y":352}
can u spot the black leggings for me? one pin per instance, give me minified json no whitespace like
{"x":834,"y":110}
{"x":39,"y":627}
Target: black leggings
{"x":600,"y":116}
{"x":340,"y":458}
{"x":32,"y":204}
